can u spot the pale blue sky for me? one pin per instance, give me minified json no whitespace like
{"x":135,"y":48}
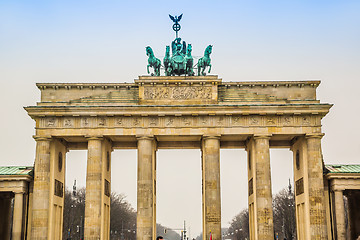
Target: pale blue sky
{"x":104,"y":41}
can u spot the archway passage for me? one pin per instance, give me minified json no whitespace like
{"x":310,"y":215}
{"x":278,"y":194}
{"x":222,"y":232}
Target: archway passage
{"x":234,"y":190}
{"x":198,"y":112}
{"x":179,"y":191}
{"x":74,"y":194}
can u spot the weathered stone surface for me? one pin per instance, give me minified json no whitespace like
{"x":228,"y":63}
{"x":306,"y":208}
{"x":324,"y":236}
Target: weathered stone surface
{"x":146,"y":199}
{"x":211,"y":186}
{"x":181,"y":112}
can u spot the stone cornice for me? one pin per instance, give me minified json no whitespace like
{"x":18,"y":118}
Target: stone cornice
{"x":300,"y":84}
{"x":16,"y":178}
{"x":69,"y":86}
{"x":341,"y":176}
{"x":178,"y":80}
{"x":341,"y":182}
{"x":138,"y":110}
{"x":143,"y":80}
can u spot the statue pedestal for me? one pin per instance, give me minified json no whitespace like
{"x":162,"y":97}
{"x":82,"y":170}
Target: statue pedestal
{"x":178,"y":90}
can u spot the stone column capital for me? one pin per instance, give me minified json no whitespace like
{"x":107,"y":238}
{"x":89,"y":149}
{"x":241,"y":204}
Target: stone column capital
{"x":39,"y":138}
{"x":145,"y":137}
{"x":314,"y":135}
{"x":338,"y":190}
{"x":211,"y":136}
{"x":19,"y":192}
{"x":262,"y":136}
{"x":95,"y":137}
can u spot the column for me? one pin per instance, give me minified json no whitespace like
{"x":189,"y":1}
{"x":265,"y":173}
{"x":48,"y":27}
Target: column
{"x":145,"y":189}
{"x":93,"y":190}
{"x":211,"y":187}
{"x":318,"y":227}
{"x":42,"y":181}
{"x":340,"y":215}
{"x":18,"y":216}
{"x":262,"y":188}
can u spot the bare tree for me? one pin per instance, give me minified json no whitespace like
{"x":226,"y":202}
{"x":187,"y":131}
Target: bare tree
{"x":239,"y":226}
{"x":284,"y":214}
{"x":74,"y":212}
{"x":166,"y":232}
{"x":284,"y":218}
{"x":122,"y":218}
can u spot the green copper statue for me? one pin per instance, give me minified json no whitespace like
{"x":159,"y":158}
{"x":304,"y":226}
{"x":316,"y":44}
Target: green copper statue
{"x":180,"y":62}
{"x":189,"y":61}
{"x":166,"y":62}
{"x":153,"y":62}
{"x":177,"y":60}
{"x":204,"y":61}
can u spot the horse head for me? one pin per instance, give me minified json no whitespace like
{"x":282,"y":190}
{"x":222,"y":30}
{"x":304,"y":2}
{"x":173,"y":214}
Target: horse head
{"x":149,"y":51}
{"x":189,"y":50}
{"x":208,"y":50}
{"x":167,"y":52}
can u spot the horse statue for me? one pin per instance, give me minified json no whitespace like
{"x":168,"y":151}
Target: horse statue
{"x":153,"y":62}
{"x":205,"y":61}
{"x":189,"y":61}
{"x":166,"y":62}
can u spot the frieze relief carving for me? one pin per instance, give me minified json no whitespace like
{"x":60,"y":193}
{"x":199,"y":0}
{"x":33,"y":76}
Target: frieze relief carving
{"x":50,"y":122}
{"x":102,"y":121}
{"x":169,"y":122}
{"x":203,"y":121}
{"x":288,"y":120}
{"x":186,"y":121}
{"x":153,"y":121}
{"x":271,"y":120}
{"x":85,"y":122}
{"x":181,"y":121}
{"x":136,"y":121}
{"x":120,"y":121}
{"x":178,"y":93}
{"x":254,"y":120}
{"x":305,"y":120}
{"x":68,"y":123}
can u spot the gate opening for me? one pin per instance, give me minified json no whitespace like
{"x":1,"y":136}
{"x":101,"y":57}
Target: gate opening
{"x":234,"y":192}
{"x":178,"y":193}
{"x":74,"y":199}
{"x":282,"y":179}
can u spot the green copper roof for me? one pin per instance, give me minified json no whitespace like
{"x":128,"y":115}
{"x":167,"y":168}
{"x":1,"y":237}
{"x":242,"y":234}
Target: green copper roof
{"x":340,"y":168}
{"x":17,"y":170}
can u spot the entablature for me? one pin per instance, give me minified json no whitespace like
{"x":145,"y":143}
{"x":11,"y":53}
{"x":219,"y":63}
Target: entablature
{"x":160,"y":110}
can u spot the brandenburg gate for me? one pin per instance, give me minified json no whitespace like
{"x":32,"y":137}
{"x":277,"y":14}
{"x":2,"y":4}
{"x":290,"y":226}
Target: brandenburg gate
{"x":178,"y":112}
